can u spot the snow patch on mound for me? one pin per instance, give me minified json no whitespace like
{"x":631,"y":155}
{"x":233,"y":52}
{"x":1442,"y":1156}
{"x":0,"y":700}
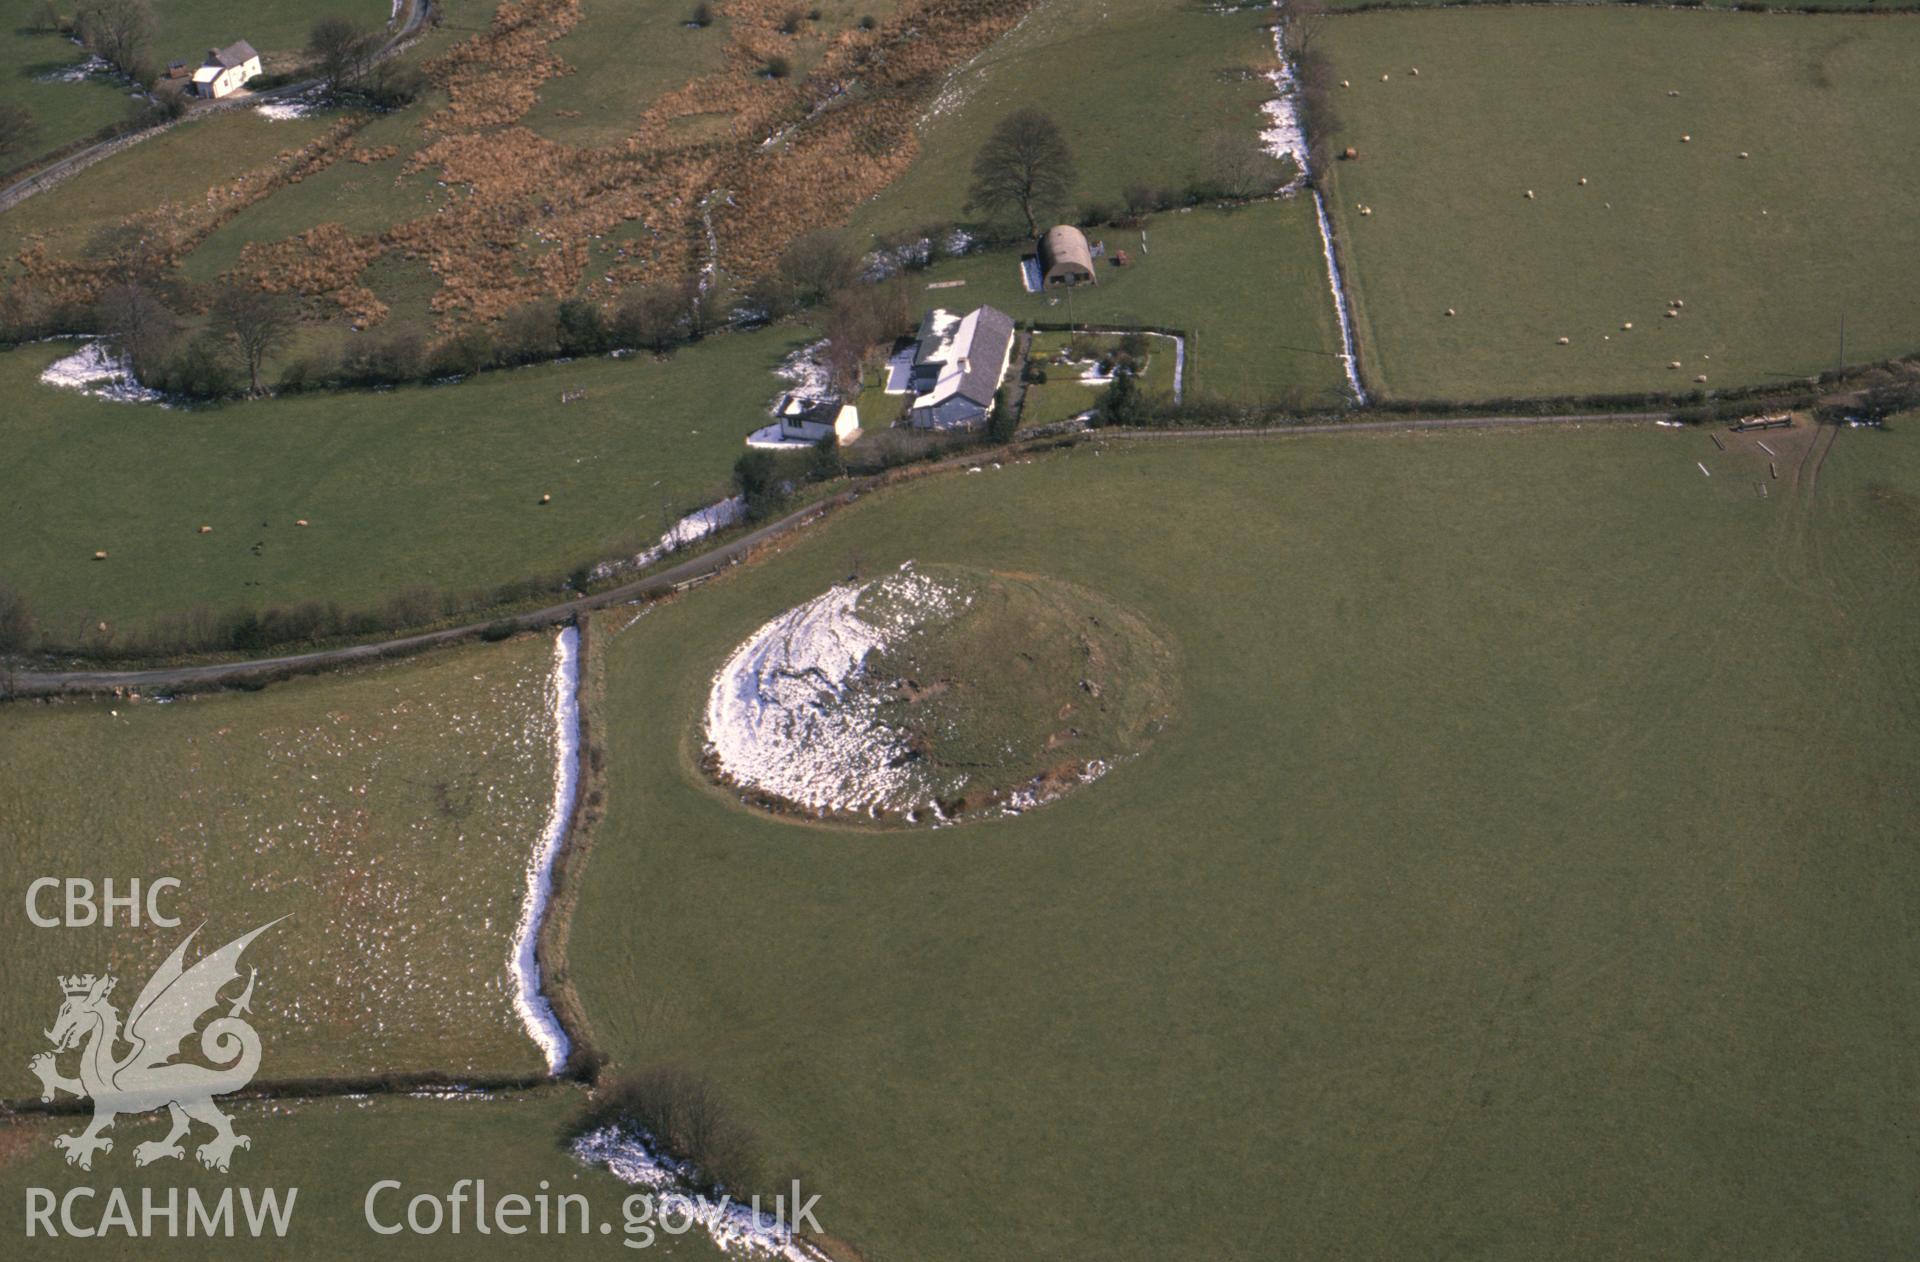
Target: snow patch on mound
{"x":781,"y":719}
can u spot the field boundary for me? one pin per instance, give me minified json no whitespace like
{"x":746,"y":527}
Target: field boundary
{"x":27,"y":684}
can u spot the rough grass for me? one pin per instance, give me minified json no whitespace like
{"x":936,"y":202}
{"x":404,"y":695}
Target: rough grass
{"x":389,"y":812}
{"x":63,"y":112}
{"x":425,"y":485}
{"x":333,"y":1151}
{"x":1546,"y":894}
{"x":1250,"y":284}
{"x":1137,"y":89}
{"x":1535,"y":99}
{"x":179,"y":167}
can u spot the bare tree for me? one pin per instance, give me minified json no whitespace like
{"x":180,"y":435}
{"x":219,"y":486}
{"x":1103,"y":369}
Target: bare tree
{"x":1024,"y":167}
{"x":119,"y":31}
{"x":1241,"y":168}
{"x":138,"y":322}
{"x":1302,"y":22}
{"x":259,"y":323}
{"x":17,"y":128}
{"x":818,"y":264}
{"x":340,"y":51}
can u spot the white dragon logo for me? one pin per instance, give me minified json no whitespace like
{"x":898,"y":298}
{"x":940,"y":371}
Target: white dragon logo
{"x":147,"y":1078}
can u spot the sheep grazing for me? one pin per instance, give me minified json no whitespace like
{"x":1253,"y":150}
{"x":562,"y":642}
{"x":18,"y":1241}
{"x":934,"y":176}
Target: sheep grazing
{"x":1566,"y":341}
{"x":1366,"y":210}
{"x":1416,"y":72}
{"x":1346,"y":83}
{"x":1673,"y":363}
{"x":1700,"y":380}
{"x":100,"y":556}
{"x":546,"y":499}
{"x":206,"y":530}
{"x":301,"y":522}
{"x":1529,"y":194}
{"x":1349,"y":154}
{"x":1450,"y":311}
{"x":1583,"y":181}
{"x":1673,"y":315}
{"x":1745,"y":154}
{"x":1626,"y":326}
{"x":1687,"y":139}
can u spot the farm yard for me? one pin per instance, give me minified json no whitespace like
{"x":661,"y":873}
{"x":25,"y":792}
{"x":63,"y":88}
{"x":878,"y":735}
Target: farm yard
{"x":1248,"y":284}
{"x":390,"y":813}
{"x":1653,"y":110}
{"x":1506,"y":900}
{"x":423,"y":488}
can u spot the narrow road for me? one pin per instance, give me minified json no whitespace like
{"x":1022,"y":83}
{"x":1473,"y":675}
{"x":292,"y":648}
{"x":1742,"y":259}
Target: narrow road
{"x":55,"y":173}
{"x":28,"y":683}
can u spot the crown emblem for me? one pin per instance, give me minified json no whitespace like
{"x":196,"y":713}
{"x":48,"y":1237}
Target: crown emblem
{"x":79,"y":984}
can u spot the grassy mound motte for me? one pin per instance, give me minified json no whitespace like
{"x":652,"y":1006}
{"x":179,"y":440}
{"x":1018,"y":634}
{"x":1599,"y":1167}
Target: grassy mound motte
{"x":936,"y":692}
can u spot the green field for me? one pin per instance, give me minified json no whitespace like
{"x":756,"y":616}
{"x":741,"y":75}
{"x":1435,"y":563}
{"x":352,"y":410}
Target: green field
{"x":185,"y":29}
{"x":333,"y":1151}
{"x":1527,"y":873}
{"x":1248,"y":284}
{"x":1136,"y":89}
{"x":391,"y":812}
{"x":427,"y":485}
{"x":1768,"y":253}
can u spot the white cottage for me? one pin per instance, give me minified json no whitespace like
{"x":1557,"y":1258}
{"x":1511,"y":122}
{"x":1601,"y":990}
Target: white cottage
{"x":226,"y":70}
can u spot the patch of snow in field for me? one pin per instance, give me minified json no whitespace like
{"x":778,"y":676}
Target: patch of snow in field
{"x":779,"y":717}
{"x":1283,"y":136}
{"x":528,"y":999}
{"x":285,"y":109}
{"x":1340,"y":306}
{"x":93,"y":64}
{"x":807,"y":375}
{"x":732,"y":1226}
{"x":694,"y":526}
{"x":94,"y":369}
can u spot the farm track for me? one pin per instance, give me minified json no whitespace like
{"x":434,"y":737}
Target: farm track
{"x":26,"y":684}
{"x":57,"y":173}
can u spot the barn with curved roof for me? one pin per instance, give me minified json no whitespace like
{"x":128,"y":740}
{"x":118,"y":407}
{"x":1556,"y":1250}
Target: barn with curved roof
{"x":1065,"y":257}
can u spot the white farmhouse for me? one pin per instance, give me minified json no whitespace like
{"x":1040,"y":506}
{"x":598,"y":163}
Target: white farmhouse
{"x":226,"y":70}
{"x":958,"y":366}
{"x":803,"y":421}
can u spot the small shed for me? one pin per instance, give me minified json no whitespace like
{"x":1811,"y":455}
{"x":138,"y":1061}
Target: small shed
{"x":1065,"y":257}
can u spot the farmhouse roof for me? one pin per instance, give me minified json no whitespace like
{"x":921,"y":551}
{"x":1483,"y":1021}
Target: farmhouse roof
{"x":971,"y":351}
{"x":238,"y":53}
{"x":1065,"y":244}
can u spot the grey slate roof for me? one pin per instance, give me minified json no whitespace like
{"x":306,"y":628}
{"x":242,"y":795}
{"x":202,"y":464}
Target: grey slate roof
{"x":237,"y":53}
{"x":991,"y":339}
